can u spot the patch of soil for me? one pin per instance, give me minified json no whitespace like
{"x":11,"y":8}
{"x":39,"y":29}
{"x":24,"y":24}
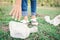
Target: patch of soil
{"x":5,"y":28}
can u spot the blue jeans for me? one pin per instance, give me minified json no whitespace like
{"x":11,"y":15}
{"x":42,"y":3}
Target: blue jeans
{"x":25,"y":6}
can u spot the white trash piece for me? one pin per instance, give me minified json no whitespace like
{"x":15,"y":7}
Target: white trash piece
{"x":20,"y":30}
{"x":55,"y":21}
{"x":47,"y":19}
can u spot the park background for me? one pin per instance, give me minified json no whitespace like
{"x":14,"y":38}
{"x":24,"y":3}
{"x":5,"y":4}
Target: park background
{"x":45,"y":31}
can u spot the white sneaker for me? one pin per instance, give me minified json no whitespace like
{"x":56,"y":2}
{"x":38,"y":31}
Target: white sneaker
{"x":25,"y":22}
{"x":34,"y":22}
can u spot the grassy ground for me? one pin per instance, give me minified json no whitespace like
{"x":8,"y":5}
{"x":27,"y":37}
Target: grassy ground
{"x":45,"y":30}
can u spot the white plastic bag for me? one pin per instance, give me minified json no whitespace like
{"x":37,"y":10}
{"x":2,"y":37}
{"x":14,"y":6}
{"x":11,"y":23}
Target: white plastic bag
{"x":18,"y":30}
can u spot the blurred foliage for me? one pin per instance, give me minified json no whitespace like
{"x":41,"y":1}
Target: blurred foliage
{"x":55,"y":3}
{"x":50,"y":3}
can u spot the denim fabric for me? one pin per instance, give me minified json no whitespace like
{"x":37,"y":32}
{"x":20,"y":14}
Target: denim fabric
{"x":25,"y":7}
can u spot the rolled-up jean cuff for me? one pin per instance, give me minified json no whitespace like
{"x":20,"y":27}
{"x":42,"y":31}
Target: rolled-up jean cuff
{"x":24,"y":13}
{"x":33,"y":13}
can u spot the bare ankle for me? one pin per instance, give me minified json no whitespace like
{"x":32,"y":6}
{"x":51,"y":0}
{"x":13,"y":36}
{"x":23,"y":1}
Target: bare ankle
{"x":33,"y":17}
{"x":25,"y":17}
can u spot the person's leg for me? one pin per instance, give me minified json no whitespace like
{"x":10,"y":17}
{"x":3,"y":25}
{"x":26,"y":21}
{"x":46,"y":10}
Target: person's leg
{"x":33,"y":12}
{"x":24,"y":9}
{"x":33,"y":8}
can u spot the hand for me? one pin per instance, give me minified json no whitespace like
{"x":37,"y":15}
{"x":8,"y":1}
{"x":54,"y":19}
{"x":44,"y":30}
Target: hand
{"x":16,"y":12}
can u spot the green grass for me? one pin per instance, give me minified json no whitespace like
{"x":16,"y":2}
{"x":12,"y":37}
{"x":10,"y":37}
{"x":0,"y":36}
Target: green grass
{"x":45,"y":30}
